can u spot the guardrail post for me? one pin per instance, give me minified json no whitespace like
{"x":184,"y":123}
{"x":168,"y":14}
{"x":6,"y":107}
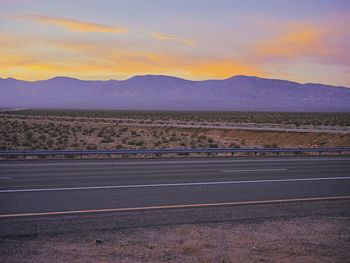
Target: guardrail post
{"x":255,"y":153}
{"x":340,"y":152}
{"x":320,"y":153}
{"x":232,"y":154}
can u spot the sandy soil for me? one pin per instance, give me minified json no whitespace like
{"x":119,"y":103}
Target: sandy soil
{"x":307,"y":239}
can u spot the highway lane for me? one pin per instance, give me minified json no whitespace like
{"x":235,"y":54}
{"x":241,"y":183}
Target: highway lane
{"x":40,"y":187}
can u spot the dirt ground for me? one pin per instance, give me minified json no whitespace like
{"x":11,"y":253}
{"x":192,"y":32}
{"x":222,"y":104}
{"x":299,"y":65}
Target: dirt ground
{"x":309,"y":239}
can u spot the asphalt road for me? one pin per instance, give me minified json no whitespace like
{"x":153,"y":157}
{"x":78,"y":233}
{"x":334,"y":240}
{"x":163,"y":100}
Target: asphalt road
{"x":29,"y":188}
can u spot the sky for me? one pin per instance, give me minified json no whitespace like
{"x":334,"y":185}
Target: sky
{"x":299,"y":40}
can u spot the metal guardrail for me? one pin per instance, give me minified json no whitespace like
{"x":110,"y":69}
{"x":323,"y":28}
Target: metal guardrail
{"x":159,"y":152}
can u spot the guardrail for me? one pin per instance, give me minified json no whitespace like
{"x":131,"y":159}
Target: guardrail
{"x":159,"y":152}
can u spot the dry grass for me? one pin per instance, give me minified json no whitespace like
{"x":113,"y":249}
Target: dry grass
{"x":30,"y":134}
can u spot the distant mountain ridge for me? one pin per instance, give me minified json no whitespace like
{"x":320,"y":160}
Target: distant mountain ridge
{"x":158,"y":92}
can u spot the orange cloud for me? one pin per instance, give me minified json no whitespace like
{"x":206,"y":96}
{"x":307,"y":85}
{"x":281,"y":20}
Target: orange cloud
{"x":43,"y":58}
{"x":323,"y":44}
{"x":71,"y":24}
{"x":107,"y":59}
{"x":298,"y":39}
{"x":222,"y":69}
{"x":172,"y":37}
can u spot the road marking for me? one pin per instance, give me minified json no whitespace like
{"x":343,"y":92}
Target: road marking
{"x":174,"y":184}
{"x":5,"y":178}
{"x":175,"y":206}
{"x":118,"y":162}
{"x":253,"y":170}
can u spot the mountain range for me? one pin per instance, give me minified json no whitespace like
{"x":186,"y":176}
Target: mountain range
{"x":158,"y":92}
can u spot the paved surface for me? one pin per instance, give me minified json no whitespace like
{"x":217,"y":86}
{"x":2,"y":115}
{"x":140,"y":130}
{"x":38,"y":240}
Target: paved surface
{"x":234,"y":126}
{"x":72,"y":188}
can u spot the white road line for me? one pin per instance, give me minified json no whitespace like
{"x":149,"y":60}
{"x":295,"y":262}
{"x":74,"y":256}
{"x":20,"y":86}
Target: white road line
{"x":62,"y":163}
{"x":252,"y":170}
{"x":175,"y":184}
{"x":5,"y":178}
{"x":125,"y":163}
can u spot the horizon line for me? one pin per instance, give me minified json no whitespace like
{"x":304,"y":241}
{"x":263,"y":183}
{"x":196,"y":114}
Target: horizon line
{"x":171,"y":76}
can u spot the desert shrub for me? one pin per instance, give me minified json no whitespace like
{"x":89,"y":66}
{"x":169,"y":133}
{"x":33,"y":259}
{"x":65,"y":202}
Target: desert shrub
{"x":91,"y":147}
{"x":270,"y":146}
{"x":139,"y":143}
{"x":131,"y":142}
{"x":202,"y":137}
{"x":107,"y":140}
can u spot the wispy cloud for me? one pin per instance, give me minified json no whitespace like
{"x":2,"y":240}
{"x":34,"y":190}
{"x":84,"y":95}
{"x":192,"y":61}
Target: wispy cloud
{"x":296,"y":39}
{"x":172,"y":37}
{"x":69,"y":23}
{"x":320,"y":43}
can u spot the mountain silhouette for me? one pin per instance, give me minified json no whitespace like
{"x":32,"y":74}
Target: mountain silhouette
{"x":157,"y":92}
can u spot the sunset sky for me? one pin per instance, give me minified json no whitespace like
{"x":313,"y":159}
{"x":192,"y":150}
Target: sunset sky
{"x":300,"y":40}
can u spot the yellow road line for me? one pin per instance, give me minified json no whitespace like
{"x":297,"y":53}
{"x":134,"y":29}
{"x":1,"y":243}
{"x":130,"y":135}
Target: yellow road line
{"x":174,"y":206}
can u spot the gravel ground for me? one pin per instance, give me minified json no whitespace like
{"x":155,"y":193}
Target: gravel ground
{"x":307,"y":239}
